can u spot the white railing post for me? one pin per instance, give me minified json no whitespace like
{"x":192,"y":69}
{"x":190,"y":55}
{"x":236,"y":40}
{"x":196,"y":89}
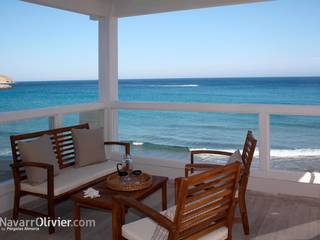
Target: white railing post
{"x":108,"y":73}
{"x":56,"y":121}
{"x":264,"y":141}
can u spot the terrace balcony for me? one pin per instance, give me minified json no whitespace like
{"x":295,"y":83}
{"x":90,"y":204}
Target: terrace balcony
{"x":282,"y":204}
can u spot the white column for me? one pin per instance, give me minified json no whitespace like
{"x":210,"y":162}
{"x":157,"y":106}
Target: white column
{"x":108,"y":73}
{"x":56,"y":121}
{"x":264,"y":141}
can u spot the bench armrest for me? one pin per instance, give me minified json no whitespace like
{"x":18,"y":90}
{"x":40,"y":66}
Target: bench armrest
{"x":50,"y":176}
{"x":125,"y":144}
{"x":127,"y":202}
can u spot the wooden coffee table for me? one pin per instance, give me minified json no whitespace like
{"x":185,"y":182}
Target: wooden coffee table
{"x":104,"y":202}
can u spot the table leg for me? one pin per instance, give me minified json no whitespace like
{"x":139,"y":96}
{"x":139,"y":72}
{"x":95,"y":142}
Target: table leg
{"x":164,"y":196}
{"x":118,"y":219}
{"x":77,"y":229}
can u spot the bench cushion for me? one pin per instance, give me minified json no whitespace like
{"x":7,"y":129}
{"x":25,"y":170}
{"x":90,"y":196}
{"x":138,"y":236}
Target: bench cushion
{"x":72,"y":177}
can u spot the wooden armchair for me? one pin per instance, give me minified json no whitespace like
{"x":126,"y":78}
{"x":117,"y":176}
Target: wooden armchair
{"x":204,"y":210}
{"x":247,"y":157}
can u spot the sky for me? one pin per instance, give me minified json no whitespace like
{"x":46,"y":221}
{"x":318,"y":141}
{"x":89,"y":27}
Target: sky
{"x":277,"y":38}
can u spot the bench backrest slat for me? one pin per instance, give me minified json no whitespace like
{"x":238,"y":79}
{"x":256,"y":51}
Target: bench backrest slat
{"x":62,"y":144}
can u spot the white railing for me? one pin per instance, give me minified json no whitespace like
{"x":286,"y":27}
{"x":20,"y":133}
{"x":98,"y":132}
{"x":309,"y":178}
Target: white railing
{"x":55,"y":112}
{"x":264,"y":178}
{"x":262,"y":110}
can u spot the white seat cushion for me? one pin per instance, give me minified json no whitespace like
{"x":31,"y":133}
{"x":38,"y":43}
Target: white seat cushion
{"x":144,"y":228}
{"x":71,"y":178}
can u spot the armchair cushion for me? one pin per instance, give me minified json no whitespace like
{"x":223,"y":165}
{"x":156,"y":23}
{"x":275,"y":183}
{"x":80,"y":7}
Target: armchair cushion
{"x":89,"y":146}
{"x":160,"y":232}
{"x":38,"y":150}
{"x":146,"y":229}
{"x":235,"y":157}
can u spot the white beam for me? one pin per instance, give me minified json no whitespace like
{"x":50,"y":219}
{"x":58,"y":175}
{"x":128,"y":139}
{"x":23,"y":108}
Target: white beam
{"x":108,"y":72}
{"x":124,"y":8}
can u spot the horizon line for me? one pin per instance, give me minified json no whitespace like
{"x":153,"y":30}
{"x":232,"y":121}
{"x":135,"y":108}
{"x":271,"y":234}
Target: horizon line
{"x":167,"y":78}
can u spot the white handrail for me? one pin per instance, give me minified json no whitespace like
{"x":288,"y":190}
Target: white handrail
{"x":306,"y":110}
{"x":281,"y":109}
{"x":48,"y":112}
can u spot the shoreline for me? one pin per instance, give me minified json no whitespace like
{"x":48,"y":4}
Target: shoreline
{"x":5,"y":86}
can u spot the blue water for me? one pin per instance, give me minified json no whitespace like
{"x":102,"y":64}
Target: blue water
{"x":293,"y":136}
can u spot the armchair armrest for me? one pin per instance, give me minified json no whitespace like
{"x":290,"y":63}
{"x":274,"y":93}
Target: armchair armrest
{"x":49,"y":167}
{"x":126,"y":202}
{"x":125,"y":144}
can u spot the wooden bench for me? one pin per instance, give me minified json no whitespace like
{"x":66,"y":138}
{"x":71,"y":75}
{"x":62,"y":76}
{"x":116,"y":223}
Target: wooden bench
{"x":54,"y":189}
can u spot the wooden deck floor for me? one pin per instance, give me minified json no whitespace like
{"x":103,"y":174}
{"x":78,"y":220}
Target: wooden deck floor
{"x":271,"y":218}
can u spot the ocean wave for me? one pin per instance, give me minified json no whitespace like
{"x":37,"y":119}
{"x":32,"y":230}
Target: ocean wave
{"x":295,"y":153}
{"x":137,"y":143}
{"x":5,"y":152}
{"x":151,"y":146}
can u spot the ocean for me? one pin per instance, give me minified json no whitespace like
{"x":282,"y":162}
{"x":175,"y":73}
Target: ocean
{"x":295,"y":140}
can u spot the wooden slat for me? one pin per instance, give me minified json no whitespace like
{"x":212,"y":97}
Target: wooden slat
{"x":213,"y":183}
{"x":68,"y":158}
{"x":62,"y":136}
{"x":209,"y":199}
{"x":62,"y":145}
{"x":65,"y":149}
{"x":67,"y":164}
{"x":206,"y":208}
{"x":204,"y":217}
{"x":202,"y":194}
{"x":64,"y":155}
{"x":63,"y":140}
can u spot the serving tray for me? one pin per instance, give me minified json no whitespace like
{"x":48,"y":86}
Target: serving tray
{"x":129,"y":183}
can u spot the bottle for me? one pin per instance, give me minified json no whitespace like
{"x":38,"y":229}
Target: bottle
{"x":129,"y":163}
